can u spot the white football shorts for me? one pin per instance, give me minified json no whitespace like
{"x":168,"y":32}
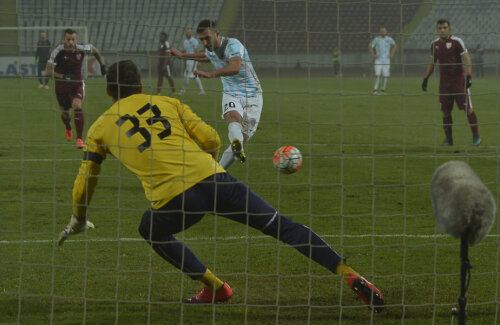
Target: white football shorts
{"x":382,"y":69}
{"x":249,"y":109}
{"x":190,"y":67}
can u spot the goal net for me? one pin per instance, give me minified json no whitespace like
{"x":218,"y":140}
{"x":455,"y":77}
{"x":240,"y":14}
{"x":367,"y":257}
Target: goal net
{"x":369,"y":145}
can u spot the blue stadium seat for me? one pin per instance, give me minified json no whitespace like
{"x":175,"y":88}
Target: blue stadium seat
{"x":131,"y":26}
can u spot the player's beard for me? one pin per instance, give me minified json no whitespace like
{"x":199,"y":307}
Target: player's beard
{"x":444,"y":36}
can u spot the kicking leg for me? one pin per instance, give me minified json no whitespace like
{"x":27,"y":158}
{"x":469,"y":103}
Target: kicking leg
{"x":236,"y":138}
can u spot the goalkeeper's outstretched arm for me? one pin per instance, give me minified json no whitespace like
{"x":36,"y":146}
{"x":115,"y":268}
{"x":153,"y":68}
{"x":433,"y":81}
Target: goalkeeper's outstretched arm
{"x":84,"y":186}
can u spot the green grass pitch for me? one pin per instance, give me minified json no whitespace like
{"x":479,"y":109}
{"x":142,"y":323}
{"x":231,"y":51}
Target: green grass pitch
{"x":364,"y":186}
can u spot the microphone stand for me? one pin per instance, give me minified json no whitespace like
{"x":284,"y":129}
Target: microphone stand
{"x":464,"y":279}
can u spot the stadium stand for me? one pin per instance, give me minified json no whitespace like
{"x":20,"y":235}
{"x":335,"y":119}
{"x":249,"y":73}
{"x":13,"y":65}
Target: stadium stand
{"x":123,"y":26}
{"x":476,"y":22}
{"x":318,"y":26}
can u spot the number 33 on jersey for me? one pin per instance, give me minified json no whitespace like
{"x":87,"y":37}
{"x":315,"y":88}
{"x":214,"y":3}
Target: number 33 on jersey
{"x":156,"y":138}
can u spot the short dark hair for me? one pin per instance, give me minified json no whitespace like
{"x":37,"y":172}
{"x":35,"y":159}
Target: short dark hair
{"x":123,"y":79}
{"x":204,"y":24}
{"x":69,"y":31}
{"x":164,"y":33}
{"x":443,"y":21}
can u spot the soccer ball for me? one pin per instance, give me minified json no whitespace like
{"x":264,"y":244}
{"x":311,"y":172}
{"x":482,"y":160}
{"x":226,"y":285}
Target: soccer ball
{"x":287,"y":159}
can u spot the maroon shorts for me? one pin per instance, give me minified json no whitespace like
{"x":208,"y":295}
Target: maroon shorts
{"x":67,"y":91}
{"x":454,"y":93}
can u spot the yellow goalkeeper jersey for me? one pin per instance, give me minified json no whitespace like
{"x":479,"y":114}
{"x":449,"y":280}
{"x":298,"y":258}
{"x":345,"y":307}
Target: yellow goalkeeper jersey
{"x":155,"y":138}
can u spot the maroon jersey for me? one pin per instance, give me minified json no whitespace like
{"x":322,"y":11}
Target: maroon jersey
{"x":69,"y":62}
{"x":449,"y":54}
{"x":163,"y":53}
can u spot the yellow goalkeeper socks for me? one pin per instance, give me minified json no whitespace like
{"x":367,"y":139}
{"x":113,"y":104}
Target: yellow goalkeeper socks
{"x":211,"y":281}
{"x":343,"y":269}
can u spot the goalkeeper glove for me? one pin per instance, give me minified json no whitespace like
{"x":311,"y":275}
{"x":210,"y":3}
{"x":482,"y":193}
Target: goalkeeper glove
{"x":68,"y":76}
{"x":103,"y":69}
{"x":74,"y":227}
{"x":424,"y":84}
{"x":468,"y":81}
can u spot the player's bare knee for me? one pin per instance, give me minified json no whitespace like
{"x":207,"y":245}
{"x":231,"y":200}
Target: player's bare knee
{"x":76,"y":104}
{"x":232,"y":116}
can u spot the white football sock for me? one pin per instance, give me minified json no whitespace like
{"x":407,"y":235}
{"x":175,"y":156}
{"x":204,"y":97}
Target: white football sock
{"x":377,"y":79}
{"x":235,"y":132}
{"x":198,"y":83}
{"x":384,"y":82}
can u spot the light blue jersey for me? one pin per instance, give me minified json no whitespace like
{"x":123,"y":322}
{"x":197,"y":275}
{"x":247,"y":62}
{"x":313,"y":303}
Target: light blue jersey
{"x":191,"y":44}
{"x":382,"y":46}
{"x":244,"y":83}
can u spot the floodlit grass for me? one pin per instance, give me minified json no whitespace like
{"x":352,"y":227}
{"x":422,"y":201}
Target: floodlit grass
{"x":364,"y":186}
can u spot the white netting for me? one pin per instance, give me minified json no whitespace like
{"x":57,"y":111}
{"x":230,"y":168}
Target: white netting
{"x":363,"y":186}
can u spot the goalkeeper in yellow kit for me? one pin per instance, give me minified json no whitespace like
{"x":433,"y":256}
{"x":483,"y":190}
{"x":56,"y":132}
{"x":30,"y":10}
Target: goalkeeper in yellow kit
{"x":156,"y":137}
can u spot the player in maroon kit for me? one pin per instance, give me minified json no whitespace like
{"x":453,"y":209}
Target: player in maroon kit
{"x":164,"y":64}
{"x":451,"y":52}
{"x":65,"y":65}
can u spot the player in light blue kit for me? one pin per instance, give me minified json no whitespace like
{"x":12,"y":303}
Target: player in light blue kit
{"x":382,"y":48}
{"x":242,"y":95}
{"x":191,"y":46}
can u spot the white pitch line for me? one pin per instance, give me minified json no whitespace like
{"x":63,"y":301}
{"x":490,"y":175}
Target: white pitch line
{"x":41,"y":241}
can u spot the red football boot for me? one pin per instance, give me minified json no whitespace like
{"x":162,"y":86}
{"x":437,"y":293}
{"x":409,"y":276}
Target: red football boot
{"x":79,"y":143}
{"x":207,"y":296}
{"x":370,"y":295}
{"x":69,"y":135}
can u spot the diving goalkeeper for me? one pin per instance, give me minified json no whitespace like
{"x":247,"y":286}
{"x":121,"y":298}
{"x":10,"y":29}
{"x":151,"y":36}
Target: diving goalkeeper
{"x":156,"y":137}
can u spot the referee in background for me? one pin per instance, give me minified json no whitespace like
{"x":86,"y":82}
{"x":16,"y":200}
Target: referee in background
{"x":41,"y":58}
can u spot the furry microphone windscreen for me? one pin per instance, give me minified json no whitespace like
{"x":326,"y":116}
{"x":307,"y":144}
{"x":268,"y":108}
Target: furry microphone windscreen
{"x":461,"y":203}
